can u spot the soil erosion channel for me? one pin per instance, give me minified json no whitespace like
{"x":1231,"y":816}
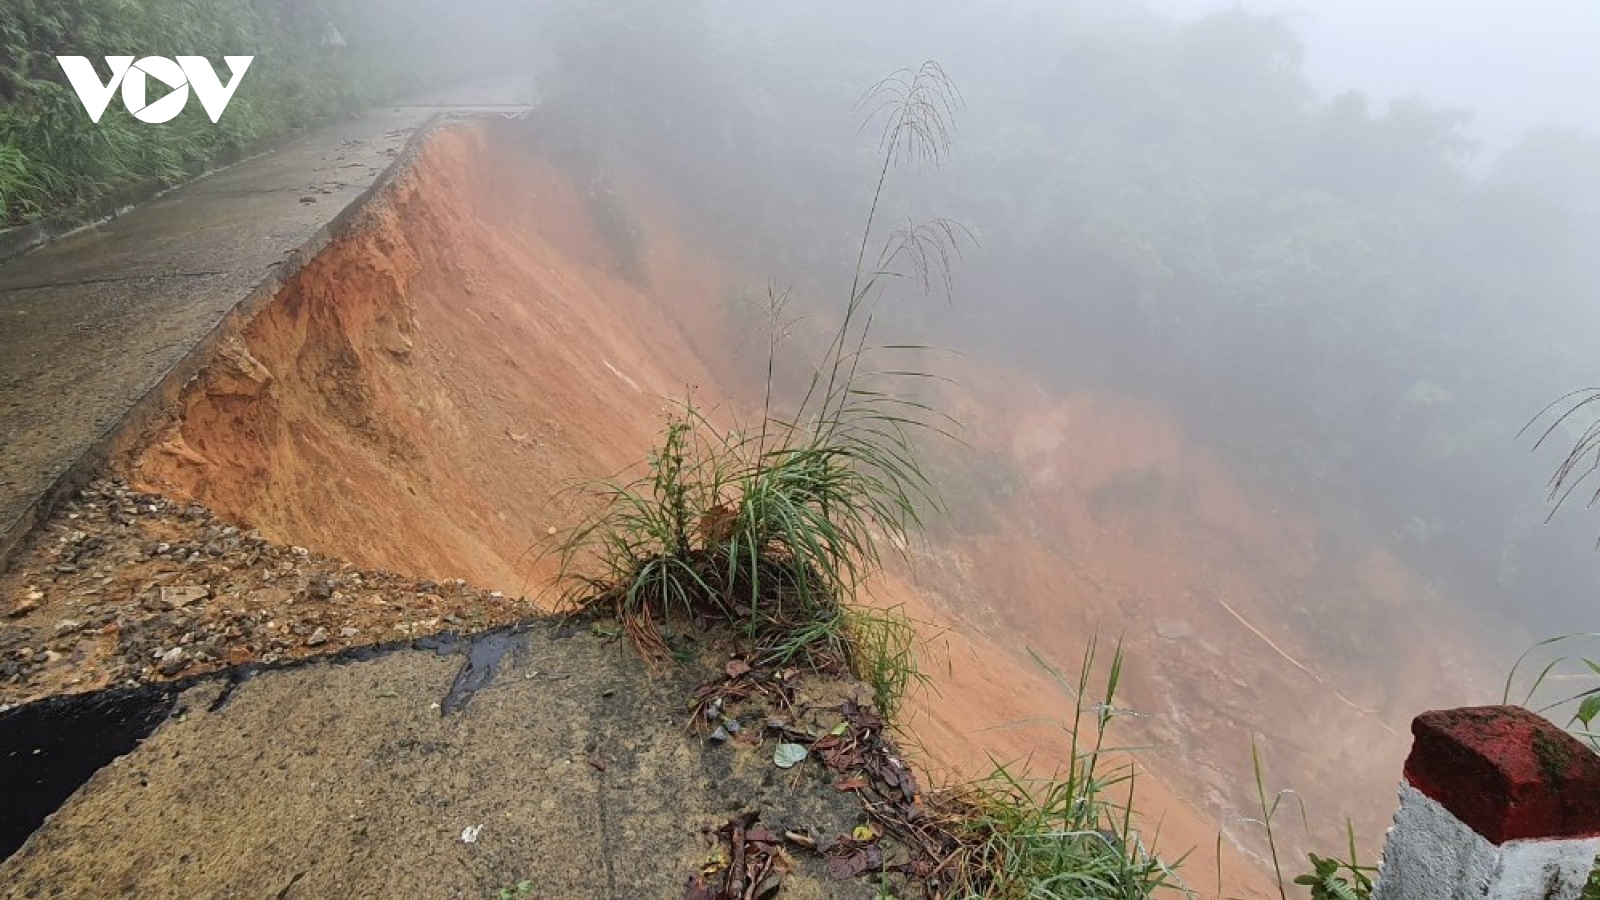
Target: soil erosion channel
{"x":417,"y":399}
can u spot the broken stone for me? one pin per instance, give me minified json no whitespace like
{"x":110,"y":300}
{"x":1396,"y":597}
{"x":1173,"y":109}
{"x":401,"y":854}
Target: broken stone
{"x":178,"y":597}
{"x":172,"y":662}
{"x":23,"y":607}
{"x":318,"y":638}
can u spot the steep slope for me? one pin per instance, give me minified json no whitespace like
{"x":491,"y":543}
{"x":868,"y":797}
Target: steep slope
{"x":421,"y":397}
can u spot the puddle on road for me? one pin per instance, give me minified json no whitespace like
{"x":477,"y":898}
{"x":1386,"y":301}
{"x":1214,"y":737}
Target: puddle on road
{"x":484,"y":654}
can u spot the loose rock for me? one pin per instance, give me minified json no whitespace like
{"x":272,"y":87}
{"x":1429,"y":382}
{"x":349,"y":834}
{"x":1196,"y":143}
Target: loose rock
{"x":172,"y":662}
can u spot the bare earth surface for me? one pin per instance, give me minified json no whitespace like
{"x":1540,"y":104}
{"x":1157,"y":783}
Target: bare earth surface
{"x":125,"y":588}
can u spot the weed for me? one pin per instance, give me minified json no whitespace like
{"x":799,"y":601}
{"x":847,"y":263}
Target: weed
{"x":771,"y":528}
{"x":512,"y":891}
{"x":1269,"y":812}
{"x":1581,"y":703}
{"x":882,"y":646}
{"x":1329,"y":878}
{"x":1070,"y":836}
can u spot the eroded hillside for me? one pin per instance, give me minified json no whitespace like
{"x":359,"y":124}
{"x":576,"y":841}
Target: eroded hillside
{"x":423,"y":395}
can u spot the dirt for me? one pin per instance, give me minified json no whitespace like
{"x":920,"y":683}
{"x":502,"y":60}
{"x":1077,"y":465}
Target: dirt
{"x":450,"y":388}
{"x":420,"y":398}
{"x":100,"y":317}
{"x":130,"y":588}
{"x":1242,"y":620}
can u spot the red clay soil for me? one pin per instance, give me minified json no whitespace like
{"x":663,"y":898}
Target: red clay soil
{"x":419,"y":398}
{"x":416,"y":397}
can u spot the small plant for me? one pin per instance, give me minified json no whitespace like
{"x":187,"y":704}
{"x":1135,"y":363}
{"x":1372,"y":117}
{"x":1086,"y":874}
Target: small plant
{"x":1580,"y":701}
{"x":1330,"y":878}
{"x":1327,"y":879}
{"x":1070,"y":836}
{"x":511,"y":892}
{"x":771,"y":528}
{"x":1269,"y":813}
{"x":881,"y":645}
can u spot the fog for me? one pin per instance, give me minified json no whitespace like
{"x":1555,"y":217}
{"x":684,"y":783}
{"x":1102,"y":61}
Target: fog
{"x":1359,"y":298}
{"x":1350,"y":246}
{"x":1515,"y":67}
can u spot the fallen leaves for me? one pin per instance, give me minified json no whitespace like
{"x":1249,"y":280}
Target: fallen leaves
{"x":787,"y":756}
{"x":749,"y":863}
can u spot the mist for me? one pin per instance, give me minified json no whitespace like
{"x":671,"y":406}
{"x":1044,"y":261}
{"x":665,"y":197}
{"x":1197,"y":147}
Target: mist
{"x":1333,"y":257}
{"x":1514,"y":68}
{"x":1358,"y":292}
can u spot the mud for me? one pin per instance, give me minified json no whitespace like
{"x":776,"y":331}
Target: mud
{"x":445,"y":369}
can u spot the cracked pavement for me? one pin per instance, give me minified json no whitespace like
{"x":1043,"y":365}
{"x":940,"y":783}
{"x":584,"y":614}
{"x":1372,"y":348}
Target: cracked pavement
{"x":571,"y":768}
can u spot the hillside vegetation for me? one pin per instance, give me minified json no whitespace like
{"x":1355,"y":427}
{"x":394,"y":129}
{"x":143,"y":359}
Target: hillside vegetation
{"x":53,"y":157}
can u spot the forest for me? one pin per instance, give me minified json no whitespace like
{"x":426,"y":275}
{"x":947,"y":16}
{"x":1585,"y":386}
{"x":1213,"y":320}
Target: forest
{"x":54,"y":159}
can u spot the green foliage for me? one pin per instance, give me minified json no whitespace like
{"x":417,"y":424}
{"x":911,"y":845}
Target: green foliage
{"x":1332,"y":878}
{"x":1071,"y":835}
{"x":1269,"y":814}
{"x":1563,"y":685}
{"x":773,"y":527}
{"x":1329,"y":878}
{"x":881,"y":646}
{"x":512,"y":891}
{"x":1582,"y":703}
{"x":52,"y":157}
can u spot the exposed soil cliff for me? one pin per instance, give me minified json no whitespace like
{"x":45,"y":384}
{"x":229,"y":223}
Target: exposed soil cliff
{"x":420,"y":398}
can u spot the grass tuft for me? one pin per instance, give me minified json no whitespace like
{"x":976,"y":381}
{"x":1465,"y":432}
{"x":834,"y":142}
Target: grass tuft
{"x":1068,"y":837}
{"x":772,"y":528}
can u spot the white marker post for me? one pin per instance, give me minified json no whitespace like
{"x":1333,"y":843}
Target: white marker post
{"x":1497,"y":804}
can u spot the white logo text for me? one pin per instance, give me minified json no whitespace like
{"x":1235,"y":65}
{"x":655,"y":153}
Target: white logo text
{"x":133,"y":77}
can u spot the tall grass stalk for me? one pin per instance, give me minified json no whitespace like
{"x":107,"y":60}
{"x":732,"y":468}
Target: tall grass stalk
{"x":1071,"y":836}
{"x":772,"y":527}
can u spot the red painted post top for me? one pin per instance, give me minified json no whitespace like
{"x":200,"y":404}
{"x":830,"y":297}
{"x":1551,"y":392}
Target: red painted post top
{"x":1506,"y":773}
